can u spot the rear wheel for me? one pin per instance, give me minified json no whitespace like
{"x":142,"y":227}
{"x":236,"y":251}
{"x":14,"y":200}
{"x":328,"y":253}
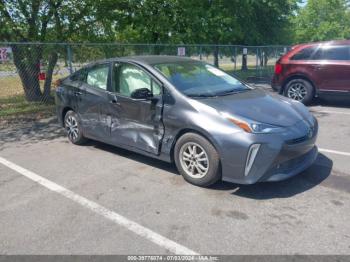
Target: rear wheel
{"x":73,"y":128}
{"x":300,"y":90}
{"x":197,"y":160}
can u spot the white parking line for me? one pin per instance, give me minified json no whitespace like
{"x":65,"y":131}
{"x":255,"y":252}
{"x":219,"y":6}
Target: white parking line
{"x":334,"y":152}
{"x":98,"y":209}
{"x":330,"y":112}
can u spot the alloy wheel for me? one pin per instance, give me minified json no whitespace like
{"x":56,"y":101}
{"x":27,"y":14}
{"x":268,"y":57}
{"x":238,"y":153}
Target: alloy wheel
{"x":194,"y":160}
{"x":71,"y":124}
{"x":297,"y":91}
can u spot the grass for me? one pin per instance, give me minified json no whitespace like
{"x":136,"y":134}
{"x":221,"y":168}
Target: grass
{"x":7,"y":67}
{"x":10,"y":86}
{"x":17,"y":105}
{"x":13,"y":104}
{"x":250,"y":73}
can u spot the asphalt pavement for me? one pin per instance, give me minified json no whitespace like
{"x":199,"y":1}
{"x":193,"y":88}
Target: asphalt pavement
{"x":58,"y":198}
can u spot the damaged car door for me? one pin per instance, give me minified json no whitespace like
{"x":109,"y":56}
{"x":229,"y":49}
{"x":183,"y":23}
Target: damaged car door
{"x":93,"y":98}
{"x":136,"y":108}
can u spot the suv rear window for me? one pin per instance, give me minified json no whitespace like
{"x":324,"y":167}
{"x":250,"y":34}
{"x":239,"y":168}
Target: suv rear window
{"x":304,"y":54}
{"x":323,"y":53}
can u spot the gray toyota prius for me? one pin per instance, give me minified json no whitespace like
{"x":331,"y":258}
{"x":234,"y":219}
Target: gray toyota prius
{"x":185,"y":111}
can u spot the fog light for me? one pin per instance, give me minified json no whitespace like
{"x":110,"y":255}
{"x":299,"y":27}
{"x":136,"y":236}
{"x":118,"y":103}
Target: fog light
{"x":253,"y":151}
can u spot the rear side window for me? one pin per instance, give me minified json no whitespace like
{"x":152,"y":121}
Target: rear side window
{"x":98,"y":76}
{"x":78,"y":76}
{"x":336,"y":53}
{"x":305,"y":54}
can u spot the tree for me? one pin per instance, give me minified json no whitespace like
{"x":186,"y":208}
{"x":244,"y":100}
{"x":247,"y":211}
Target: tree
{"x":42,"y":21}
{"x":322,"y":20}
{"x":211,"y":22}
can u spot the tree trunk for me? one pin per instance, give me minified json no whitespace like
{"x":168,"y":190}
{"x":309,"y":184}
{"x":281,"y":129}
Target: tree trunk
{"x":216,"y":55}
{"x":47,"y":86}
{"x":266,"y":59}
{"x":244,"y":63}
{"x":262,"y":57}
{"x":27,"y":62}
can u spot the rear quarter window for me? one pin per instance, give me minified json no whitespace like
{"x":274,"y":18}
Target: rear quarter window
{"x":304,"y":54}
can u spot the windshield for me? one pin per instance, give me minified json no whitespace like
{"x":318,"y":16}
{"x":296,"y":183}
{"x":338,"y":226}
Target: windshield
{"x":197,"y":79}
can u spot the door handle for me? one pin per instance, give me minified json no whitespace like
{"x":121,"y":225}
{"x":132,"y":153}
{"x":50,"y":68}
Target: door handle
{"x":78,"y":93}
{"x":113,"y":99}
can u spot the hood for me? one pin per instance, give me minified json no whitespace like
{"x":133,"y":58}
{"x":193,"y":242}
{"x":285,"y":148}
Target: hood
{"x":259,"y":106}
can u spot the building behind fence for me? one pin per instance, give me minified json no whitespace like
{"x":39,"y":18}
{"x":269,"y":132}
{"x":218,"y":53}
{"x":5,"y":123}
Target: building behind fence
{"x":30,"y":69}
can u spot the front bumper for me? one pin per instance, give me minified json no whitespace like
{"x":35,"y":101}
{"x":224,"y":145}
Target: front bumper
{"x":280,"y":156}
{"x":282,"y":171}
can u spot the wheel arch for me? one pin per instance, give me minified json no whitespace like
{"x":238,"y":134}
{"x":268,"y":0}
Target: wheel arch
{"x":64,"y":112}
{"x":184,"y":131}
{"x":297,"y":76}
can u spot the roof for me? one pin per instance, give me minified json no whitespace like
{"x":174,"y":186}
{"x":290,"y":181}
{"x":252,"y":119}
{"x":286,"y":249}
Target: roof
{"x":151,"y":59}
{"x":157,"y":59}
{"x":333,"y":42}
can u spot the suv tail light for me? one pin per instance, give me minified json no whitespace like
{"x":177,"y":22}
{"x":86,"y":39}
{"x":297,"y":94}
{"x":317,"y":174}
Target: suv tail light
{"x":278,"y":69}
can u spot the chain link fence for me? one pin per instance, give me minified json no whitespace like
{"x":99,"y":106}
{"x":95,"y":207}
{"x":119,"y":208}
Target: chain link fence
{"x":28,"y":71}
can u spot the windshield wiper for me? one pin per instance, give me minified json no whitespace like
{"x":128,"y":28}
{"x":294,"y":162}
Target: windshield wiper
{"x":229,"y":92}
{"x":201,"y":95}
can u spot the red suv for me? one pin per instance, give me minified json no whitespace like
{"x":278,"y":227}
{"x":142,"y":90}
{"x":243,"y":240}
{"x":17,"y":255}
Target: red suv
{"x":314,"y":69}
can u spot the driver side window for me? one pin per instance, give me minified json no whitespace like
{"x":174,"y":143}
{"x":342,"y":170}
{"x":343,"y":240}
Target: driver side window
{"x":131,"y":78}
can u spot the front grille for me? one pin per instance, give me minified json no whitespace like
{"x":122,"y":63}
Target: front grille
{"x":311,"y":132}
{"x":297,"y":140}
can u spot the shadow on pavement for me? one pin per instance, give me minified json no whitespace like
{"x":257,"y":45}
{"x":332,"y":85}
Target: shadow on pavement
{"x":337,"y":101}
{"x":31,"y":132}
{"x":342,"y":102}
{"x":318,"y":173}
{"x":134,"y":156}
{"x":308,"y":179}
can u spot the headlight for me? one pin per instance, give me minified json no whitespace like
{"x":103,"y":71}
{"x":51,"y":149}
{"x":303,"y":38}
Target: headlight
{"x":252,"y":126}
{"x":265,"y":128}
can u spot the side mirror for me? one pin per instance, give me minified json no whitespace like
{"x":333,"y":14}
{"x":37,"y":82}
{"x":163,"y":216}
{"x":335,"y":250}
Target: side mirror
{"x":141,"y":93}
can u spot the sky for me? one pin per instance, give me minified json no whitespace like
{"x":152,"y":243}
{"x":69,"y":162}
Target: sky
{"x":303,"y":3}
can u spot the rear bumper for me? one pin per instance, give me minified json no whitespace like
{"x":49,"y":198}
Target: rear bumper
{"x":59,"y":116}
{"x":276,"y":87}
{"x":275,"y":84}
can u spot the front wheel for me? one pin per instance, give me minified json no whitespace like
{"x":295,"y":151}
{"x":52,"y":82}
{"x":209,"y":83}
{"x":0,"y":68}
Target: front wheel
{"x":197,"y":160}
{"x":73,"y":128}
{"x":300,"y":90}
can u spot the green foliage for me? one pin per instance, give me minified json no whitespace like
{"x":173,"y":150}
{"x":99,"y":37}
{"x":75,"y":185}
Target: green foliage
{"x":207,"y":21}
{"x":49,"y":20}
{"x":322,"y":20}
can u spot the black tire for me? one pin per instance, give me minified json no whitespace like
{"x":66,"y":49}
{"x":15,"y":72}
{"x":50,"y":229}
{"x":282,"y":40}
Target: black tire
{"x":75,"y":135}
{"x":213,"y":173}
{"x":304,"y":85}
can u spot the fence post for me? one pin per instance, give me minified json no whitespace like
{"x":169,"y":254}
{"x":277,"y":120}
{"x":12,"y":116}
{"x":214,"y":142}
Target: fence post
{"x":235,"y":58}
{"x":216,"y":56}
{"x":200,"y":52}
{"x":69,"y":56}
{"x":257,"y":61}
